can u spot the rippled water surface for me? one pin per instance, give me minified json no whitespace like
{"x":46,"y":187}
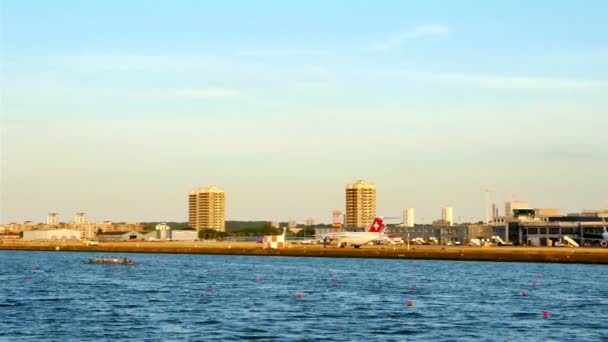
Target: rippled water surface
{"x":55,"y":296}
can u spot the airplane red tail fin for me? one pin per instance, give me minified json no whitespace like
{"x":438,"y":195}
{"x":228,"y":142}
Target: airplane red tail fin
{"x":376,"y":226}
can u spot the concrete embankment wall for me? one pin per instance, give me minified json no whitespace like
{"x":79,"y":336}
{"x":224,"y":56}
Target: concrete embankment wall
{"x":511,"y":254}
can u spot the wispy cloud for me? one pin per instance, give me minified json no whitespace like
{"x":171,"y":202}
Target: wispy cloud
{"x":203,"y":93}
{"x":396,"y":40}
{"x":279,"y":52}
{"x":138,"y":63}
{"x":493,"y":81}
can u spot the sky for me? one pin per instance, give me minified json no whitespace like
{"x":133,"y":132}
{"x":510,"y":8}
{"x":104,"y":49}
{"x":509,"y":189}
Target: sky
{"x":119,"y":109}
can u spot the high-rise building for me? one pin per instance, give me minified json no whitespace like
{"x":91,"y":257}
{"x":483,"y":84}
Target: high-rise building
{"x":207,"y":209}
{"x":408,"y":217}
{"x":360,"y":204}
{"x":494,"y":211}
{"x":510,"y":206}
{"x":52,"y":219}
{"x":447,"y":215}
{"x":80,"y":218}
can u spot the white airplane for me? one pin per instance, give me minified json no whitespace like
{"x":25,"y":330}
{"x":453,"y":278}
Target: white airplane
{"x":357,"y":239}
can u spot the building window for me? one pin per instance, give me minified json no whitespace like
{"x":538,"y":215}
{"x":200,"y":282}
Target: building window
{"x":593,"y":230}
{"x":542,"y":230}
{"x":554,"y":231}
{"x":568,"y":231}
{"x":533,"y":231}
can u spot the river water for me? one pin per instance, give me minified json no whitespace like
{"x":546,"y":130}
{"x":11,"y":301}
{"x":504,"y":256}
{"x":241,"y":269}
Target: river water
{"x":56,"y":296}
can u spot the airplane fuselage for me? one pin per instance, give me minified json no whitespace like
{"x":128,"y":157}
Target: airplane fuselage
{"x":354,"y":238}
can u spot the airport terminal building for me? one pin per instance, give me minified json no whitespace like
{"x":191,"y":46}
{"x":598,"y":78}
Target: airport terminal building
{"x":528,"y":228}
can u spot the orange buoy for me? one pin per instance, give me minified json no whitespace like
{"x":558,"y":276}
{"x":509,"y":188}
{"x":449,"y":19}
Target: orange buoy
{"x":409,"y":303}
{"x":545,"y":314}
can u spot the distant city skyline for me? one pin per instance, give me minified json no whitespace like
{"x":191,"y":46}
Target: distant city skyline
{"x":407,"y":221}
{"x":119,"y":113}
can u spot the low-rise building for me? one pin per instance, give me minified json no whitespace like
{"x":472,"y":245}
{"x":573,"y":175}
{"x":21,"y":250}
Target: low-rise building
{"x":184,"y":235}
{"x":121,"y":236}
{"x":18,"y":227}
{"x":51,"y":234}
{"x":108,"y":226}
{"x":442,"y":232}
{"x":151,"y":236}
{"x":163,"y":231}
{"x":423,"y":232}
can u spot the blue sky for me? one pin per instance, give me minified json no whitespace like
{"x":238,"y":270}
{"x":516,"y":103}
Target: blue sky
{"x":120,"y":108}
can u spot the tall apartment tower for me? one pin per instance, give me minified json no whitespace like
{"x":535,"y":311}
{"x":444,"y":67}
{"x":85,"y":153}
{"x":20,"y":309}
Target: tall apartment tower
{"x":207,"y":209}
{"x":80,"y":218}
{"x":52,"y":219}
{"x":360,"y":204}
{"x":408,"y":217}
{"x":447,"y":215}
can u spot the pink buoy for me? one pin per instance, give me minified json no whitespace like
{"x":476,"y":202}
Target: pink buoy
{"x":334,"y":284}
{"x":115,"y":273}
{"x":28,"y":278}
{"x":545,"y":314}
{"x":261,"y":280}
{"x":524,"y":293}
{"x":208,"y":289}
{"x":35,"y":268}
{"x":331,"y":274}
{"x":299,"y":296}
{"x":409,"y":303}
{"x":412,"y":288}
{"x":533,"y":283}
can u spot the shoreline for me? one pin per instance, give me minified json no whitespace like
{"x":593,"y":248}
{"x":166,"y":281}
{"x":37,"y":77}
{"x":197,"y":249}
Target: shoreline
{"x":456,"y":253}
